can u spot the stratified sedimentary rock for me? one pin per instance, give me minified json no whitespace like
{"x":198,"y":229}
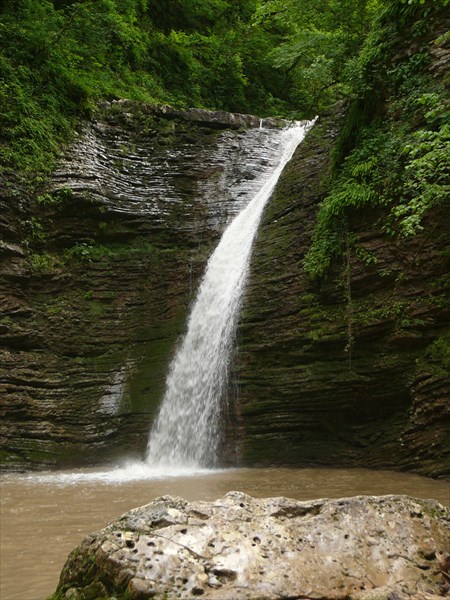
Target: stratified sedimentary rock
{"x":97,"y":273}
{"x":99,"y":267}
{"x":362,"y":548}
{"x":326,"y":380}
{"x":351,"y":369}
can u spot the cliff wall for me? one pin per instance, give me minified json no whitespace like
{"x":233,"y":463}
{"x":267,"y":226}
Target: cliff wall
{"x":348,"y":371}
{"x":98,"y":269}
{"x":353,"y":369}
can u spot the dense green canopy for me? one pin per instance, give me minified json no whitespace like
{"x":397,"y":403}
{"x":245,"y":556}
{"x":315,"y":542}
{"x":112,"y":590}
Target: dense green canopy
{"x":268,"y":57}
{"x":57,"y":57}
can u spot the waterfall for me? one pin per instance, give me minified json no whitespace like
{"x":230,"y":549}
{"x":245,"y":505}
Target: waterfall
{"x":187,"y":431}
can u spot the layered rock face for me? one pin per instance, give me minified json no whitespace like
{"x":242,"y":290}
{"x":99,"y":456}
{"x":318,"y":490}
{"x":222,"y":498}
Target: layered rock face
{"x":354,"y":370}
{"x":346,"y":372}
{"x":363,"y":548}
{"x":97,"y":273}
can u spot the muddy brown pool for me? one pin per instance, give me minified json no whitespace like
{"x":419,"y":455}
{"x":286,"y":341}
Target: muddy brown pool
{"x":44,"y":516}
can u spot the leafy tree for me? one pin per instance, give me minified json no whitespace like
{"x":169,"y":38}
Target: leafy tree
{"x":286,"y":57}
{"x":320,"y":37}
{"x":190,"y":16}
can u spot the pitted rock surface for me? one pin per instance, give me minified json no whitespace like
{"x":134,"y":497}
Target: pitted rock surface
{"x":361,"y":548}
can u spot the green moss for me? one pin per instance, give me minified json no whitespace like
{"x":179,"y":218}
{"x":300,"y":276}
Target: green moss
{"x":8,"y":457}
{"x":90,"y":252}
{"x":397,"y":312}
{"x":152,"y":363}
{"x":6,"y":320}
{"x":44,"y":262}
{"x":55,"y":307}
{"x":96,"y":309}
{"x":437,"y":355}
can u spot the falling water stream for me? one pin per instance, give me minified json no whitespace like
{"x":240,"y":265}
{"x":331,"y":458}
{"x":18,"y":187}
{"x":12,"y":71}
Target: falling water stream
{"x":187,"y":431}
{"x":44,"y":515}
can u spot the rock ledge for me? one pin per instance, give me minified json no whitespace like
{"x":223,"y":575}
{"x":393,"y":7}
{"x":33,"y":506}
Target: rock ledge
{"x":219,"y":119}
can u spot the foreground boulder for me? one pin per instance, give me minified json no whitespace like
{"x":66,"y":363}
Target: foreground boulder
{"x":367,"y":548}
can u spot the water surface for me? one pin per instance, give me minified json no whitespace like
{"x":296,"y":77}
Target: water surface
{"x":44,"y":516}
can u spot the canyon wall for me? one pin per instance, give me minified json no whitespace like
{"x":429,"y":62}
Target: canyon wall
{"x":349,"y":371}
{"x":98,"y":269}
{"x":353,"y":370}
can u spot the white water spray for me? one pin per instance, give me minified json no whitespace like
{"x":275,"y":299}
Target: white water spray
{"x":187,"y":430}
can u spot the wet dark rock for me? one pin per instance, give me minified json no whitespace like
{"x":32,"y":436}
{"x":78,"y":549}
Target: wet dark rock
{"x":327,"y":381}
{"x":219,"y":119}
{"x":304,"y":399}
{"x":98,"y":272}
{"x":98,"y":269}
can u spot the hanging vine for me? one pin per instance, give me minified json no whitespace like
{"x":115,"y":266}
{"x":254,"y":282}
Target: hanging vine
{"x":348,"y":297}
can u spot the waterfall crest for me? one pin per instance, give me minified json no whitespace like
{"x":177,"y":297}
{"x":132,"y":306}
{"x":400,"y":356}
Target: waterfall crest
{"x":187,"y":431}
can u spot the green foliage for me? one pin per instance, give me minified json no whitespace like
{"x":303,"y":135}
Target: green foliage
{"x":53,"y":64}
{"x":326,"y":243}
{"x":367,"y":179}
{"x":200,"y":16}
{"x":427,"y":169}
{"x":319,"y":40}
{"x":440,"y":351}
{"x":58,"y":57}
{"x":412,"y":2}
{"x":37,"y":230}
{"x":437,"y":356}
{"x":56,"y":199}
{"x":427,"y":178}
{"x":365,"y":256}
{"x":43,"y":262}
{"x":394,"y":150}
{"x":396,"y":311}
{"x":90,"y":251}
{"x":85,"y":252}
